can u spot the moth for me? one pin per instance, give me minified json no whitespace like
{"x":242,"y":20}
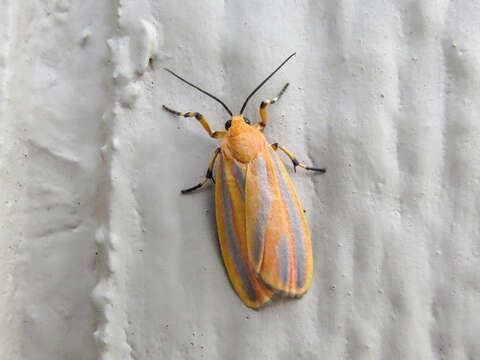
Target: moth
{"x":262,"y":229}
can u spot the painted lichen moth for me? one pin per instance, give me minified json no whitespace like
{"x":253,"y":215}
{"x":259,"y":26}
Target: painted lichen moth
{"x":262,"y":229}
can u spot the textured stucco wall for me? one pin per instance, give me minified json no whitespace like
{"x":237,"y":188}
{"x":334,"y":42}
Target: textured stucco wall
{"x":102,"y":258}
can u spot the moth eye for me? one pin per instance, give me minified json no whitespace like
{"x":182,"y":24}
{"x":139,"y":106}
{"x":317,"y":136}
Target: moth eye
{"x":246,"y":120}
{"x":228,"y":124}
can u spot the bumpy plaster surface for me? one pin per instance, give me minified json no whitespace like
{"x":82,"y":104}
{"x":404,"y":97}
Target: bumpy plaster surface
{"x":102,"y":258}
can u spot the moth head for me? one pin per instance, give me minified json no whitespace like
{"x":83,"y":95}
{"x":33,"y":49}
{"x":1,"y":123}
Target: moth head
{"x":236,"y":120}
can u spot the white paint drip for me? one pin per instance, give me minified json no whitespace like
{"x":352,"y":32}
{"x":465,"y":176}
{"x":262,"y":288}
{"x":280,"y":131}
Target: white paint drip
{"x":131,"y":56}
{"x":132,"y":50}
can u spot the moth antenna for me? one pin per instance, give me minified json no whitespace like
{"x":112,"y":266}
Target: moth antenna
{"x":201,"y":90}
{"x":264,"y":81}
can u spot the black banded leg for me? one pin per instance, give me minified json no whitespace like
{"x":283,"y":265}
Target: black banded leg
{"x":263,"y":108}
{"x":295,"y":161}
{"x":201,"y":120}
{"x":209,"y":174}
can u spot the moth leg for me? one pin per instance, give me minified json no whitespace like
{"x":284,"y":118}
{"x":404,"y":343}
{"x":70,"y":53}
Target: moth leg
{"x":209,"y":174}
{"x":263,"y":108}
{"x":201,"y":120}
{"x":295,"y":161}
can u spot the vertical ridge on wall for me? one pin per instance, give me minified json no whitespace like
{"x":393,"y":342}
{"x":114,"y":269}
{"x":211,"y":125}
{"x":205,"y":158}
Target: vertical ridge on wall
{"x":132,"y":50}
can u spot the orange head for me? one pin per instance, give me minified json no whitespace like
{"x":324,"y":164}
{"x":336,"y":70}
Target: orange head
{"x":243,"y":140}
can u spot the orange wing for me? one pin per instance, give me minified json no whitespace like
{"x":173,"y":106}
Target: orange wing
{"x":278,"y":238}
{"x":230,"y":212}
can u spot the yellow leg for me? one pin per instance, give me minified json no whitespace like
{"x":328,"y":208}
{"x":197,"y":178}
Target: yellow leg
{"x":201,"y":120}
{"x":295,"y":161}
{"x":263,"y":108}
{"x":209,"y":174}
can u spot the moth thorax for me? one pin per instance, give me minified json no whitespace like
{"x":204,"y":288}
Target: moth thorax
{"x":245,"y":145}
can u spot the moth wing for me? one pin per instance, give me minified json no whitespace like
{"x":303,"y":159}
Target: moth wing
{"x":230,"y":213}
{"x":278,"y":238}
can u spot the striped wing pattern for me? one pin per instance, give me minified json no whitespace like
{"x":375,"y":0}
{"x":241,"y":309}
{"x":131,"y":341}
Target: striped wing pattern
{"x":263,"y":233}
{"x":230,"y":210}
{"x":278,"y":238}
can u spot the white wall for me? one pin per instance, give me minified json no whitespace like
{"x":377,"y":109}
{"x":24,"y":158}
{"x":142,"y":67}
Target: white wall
{"x":102,"y":258}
